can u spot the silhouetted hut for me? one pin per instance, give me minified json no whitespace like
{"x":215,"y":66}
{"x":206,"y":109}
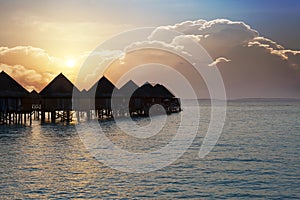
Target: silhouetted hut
{"x":15,"y":102}
{"x":35,"y":100}
{"x":141,"y":100}
{"x":128,"y":89}
{"x":167,"y":99}
{"x":122,"y":98}
{"x":161,"y":91}
{"x":57,"y":98}
{"x":81,"y":104}
{"x":82,"y":101}
{"x":101,"y":92}
{"x":60,"y":98}
{"x":147,"y":95}
{"x":36,"y":104}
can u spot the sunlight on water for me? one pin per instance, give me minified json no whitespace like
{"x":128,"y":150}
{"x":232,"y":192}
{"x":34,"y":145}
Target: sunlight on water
{"x":257,"y":156}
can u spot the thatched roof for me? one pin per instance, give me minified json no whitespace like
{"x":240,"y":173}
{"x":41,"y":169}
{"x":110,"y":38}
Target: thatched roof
{"x":34,"y":94}
{"x":145,"y":90}
{"x":11,"y":88}
{"x":82,"y":94}
{"x":162,"y":92}
{"x":60,"y":86}
{"x":148,"y":90}
{"x":102,"y":88}
{"x":127,"y":89}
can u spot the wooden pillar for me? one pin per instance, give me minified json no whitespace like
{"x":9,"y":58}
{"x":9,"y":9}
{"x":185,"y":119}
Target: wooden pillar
{"x":43,"y":116}
{"x":68,"y":116}
{"x":53,"y":116}
{"x":78,"y":116}
{"x":88,"y":115}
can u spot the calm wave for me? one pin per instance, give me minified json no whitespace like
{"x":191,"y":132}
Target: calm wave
{"x":257,"y":156}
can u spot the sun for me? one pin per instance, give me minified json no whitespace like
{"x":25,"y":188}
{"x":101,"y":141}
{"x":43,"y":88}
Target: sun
{"x":70,"y":63}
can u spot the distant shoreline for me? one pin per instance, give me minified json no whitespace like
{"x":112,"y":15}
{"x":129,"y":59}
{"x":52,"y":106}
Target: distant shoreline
{"x":247,"y":99}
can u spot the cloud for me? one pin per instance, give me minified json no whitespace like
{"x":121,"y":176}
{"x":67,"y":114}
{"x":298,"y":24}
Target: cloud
{"x":28,"y":78}
{"x":266,"y":43}
{"x":94,"y":66}
{"x":29,"y":57}
{"x":251,"y":65}
{"x":219,"y":60}
{"x":217,"y":36}
{"x":33,"y":67}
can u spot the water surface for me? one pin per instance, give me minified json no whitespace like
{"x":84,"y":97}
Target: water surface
{"x":257,"y":156}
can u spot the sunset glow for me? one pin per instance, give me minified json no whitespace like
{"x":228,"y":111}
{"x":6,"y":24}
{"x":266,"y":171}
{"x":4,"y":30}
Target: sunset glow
{"x":255,"y":53}
{"x":149,"y":99}
{"x":70,"y":63}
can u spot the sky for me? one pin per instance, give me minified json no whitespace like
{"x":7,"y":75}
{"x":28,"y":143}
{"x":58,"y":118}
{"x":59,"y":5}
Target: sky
{"x":40,"y":39}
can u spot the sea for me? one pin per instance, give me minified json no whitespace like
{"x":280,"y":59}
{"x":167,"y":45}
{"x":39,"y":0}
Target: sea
{"x":257,"y":156}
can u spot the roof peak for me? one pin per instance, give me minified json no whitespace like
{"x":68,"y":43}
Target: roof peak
{"x":104,"y":77}
{"x":61,"y":74}
{"x":60,"y":84}
{"x":10,"y":85}
{"x":147,"y":83}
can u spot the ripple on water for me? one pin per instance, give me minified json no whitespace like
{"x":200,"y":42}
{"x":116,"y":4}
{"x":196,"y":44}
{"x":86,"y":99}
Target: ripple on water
{"x":257,"y":156}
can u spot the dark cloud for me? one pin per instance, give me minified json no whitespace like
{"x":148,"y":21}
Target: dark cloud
{"x":251,"y":66}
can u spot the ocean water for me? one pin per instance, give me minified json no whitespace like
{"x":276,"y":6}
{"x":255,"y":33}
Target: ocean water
{"x":257,"y":156}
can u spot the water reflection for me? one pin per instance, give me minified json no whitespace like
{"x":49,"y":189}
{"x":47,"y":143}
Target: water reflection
{"x":257,"y":156}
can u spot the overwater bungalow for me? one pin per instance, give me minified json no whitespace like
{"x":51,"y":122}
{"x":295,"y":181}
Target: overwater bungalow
{"x":60,"y":99}
{"x":36,"y":103}
{"x":127,"y":89}
{"x":35,"y":100}
{"x":140,"y":101}
{"x":148,"y":95}
{"x":122,"y":98}
{"x":15,"y":101}
{"x":167,"y":99}
{"x":101,"y":93}
{"x":56,"y":99}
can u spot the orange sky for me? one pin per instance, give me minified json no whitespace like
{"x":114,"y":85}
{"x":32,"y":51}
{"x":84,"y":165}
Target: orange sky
{"x":40,"y":39}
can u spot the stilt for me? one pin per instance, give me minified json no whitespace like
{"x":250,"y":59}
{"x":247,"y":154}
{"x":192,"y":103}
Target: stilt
{"x":68,"y":117}
{"x":88,"y":115}
{"x":78,"y":116}
{"x":53,"y":116}
{"x":43,"y":117}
